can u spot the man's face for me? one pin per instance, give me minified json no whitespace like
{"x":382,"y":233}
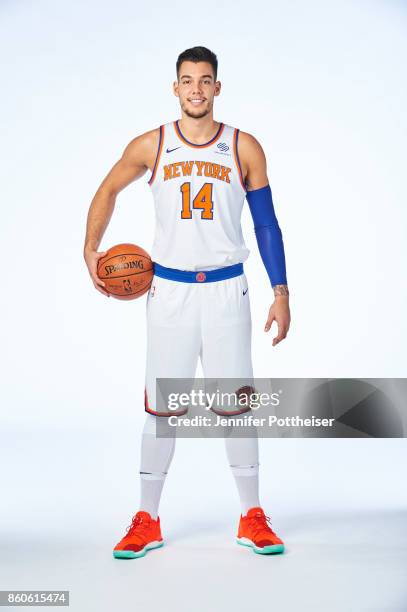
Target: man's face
{"x":196,"y":88}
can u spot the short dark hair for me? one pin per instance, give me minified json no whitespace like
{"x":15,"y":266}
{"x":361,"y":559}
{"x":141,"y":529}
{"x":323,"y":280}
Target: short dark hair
{"x":198,"y":54}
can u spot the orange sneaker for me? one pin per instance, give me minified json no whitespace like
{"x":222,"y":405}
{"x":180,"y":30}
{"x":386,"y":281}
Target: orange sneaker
{"x":142,"y":535}
{"x":254,"y":531}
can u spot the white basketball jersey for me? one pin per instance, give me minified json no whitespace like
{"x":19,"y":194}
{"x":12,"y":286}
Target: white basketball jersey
{"x":198,"y":195}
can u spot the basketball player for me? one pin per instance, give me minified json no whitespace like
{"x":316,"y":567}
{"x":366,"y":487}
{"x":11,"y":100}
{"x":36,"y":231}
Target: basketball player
{"x":198,"y":304}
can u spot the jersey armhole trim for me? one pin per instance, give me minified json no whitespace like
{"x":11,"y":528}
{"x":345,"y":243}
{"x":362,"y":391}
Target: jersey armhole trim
{"x":157,"y":159}
{"x":236,"y":156}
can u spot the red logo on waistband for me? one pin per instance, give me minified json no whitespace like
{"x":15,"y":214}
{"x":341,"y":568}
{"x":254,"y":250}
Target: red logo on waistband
{"x":200,"y":277}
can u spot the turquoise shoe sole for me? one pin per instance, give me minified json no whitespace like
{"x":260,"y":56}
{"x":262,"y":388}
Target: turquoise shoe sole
{"x":266,"y":550}
{"x":131,"y":554}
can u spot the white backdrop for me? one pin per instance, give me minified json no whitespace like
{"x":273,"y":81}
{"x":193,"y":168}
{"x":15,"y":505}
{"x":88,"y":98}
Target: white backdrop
{"x":322,"y":86}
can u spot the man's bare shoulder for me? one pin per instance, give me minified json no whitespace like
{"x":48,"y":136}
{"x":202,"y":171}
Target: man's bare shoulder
{"x":143,"y":146}
{"x":249,"y":144}
{"x":149,"y":138}
{"x":252,"y":160}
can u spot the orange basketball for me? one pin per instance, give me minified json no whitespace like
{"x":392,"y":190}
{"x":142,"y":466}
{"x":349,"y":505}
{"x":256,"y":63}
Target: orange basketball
{"x":127,"y":270}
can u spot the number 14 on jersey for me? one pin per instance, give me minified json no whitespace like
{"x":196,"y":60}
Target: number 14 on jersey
{"x":202,"y":200}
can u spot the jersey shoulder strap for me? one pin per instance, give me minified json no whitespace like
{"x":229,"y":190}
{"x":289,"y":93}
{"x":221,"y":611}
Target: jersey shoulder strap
{"x":159,"y":152}
{"x":233,"y":144}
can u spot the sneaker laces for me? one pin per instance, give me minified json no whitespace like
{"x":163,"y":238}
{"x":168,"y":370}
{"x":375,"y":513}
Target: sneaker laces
{"x":139,"y":523}
{"x":259,"y":522}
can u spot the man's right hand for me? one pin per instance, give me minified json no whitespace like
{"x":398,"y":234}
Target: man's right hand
{"x":92,"y":257}
{"x":137,"y":158}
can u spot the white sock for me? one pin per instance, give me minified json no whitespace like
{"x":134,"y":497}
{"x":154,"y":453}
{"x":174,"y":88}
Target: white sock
{"x":243,"y":457}
{"x":156,"y":457}
{"x":150,"y":493}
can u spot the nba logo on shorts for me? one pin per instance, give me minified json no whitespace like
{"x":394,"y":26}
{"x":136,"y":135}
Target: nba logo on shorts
{"x":200,"y":277}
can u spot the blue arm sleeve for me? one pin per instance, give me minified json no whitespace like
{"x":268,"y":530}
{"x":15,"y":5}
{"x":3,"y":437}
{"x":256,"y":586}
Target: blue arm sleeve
{"x":268,"y":234}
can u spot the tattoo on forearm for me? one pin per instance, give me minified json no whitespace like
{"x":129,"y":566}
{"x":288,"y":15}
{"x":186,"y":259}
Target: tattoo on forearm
{"x":281,"y":290}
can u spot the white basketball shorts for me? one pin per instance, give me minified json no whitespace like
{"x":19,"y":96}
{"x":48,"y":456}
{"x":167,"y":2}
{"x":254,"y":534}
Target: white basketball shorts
{"x":187,"y":321}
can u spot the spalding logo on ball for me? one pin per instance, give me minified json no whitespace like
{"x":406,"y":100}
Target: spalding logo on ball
{"x":127,"y":271}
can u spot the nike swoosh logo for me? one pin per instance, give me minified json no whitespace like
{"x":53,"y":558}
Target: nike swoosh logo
{"x":171,"y":150}
{"x":244,"y":292}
